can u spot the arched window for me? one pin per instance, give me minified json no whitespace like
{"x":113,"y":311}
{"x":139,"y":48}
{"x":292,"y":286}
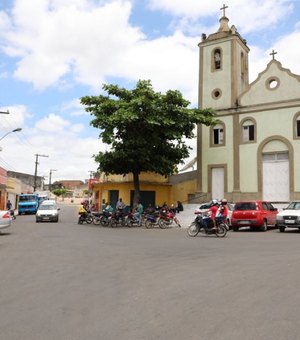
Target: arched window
{"x":242,"y":65}
{"x":248,"y":129}
{"x":296,"y":126}
{"x":217,"y":59}
{"x":218,"y":134}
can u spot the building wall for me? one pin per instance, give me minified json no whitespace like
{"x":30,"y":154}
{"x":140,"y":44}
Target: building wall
{"x":101,"y":191}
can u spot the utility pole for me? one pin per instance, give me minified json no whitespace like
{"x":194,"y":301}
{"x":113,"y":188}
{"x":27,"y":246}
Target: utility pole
{"x":51,"y":170}
{"x":35,"y":171}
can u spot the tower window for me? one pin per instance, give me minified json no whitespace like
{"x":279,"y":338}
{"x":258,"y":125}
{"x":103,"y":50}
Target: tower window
{"x":217,"y":59}
{"x":242,"y":65}
{"x":216,"y":94}
{"x":218,"y":135}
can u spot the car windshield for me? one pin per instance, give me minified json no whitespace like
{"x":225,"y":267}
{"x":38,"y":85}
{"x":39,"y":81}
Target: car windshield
{"x":27,"y":198}
{"x":294,"y":206}
{"x":47,"y":207}
{"x":245,"y":206}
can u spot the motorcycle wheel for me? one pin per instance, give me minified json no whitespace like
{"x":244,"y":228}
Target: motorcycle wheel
{"x":162,"y":224}
{"x":113,"y":223}
{"x":104,"y":221}
{"x":89,"y":219}
{"x":80,"y":221}
{"x":193,"y":230}
{"x":96,"y":220}
{"x":148,"y":224}
{"x":221,"y":231}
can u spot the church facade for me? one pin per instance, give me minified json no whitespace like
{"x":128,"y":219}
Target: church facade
{"x":254,"y":150}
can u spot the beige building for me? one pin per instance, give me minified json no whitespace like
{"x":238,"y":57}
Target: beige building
{"x":254,"y":150}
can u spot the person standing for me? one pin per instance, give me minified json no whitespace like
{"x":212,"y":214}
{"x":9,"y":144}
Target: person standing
{"x":120,"y":204}
{"x":139,"y":210}
{"x":8,"y":205}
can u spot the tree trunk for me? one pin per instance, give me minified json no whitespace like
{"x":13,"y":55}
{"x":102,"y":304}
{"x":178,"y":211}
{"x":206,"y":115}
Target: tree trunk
{"x":136,"y":183}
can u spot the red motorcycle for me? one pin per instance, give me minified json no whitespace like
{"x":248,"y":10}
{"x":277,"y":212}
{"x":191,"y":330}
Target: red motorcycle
{"x":166,"y":218}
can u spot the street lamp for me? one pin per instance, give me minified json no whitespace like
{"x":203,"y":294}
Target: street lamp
{"x":35,"y":171}
{"x":51,"y":170}
{"x":15,"y":130}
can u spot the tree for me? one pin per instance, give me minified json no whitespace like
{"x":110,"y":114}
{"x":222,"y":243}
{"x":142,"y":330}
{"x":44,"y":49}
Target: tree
{"x":59,"y":192}
{"x":145,"y":129}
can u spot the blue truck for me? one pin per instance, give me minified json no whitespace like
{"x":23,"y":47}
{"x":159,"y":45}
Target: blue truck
{"x":28,"y":204}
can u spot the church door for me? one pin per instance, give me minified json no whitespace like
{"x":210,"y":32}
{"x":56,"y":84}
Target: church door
{"x":217,"y":188}
{"x":276,"y":177}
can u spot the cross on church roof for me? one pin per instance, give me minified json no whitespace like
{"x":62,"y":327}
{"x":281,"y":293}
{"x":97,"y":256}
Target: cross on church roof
{"x":223,"y":9}
{"x":273,"y":54}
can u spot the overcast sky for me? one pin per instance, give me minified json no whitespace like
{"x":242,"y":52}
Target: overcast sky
{"x":55,"y":51}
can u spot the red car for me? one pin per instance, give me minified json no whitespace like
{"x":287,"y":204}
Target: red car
{"x":253,"y":214}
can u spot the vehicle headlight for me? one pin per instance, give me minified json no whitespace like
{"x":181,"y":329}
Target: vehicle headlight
{"x":279,"y":218}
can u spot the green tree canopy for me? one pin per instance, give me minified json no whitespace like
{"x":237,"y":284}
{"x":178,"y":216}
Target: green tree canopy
{"x":146,"y":130}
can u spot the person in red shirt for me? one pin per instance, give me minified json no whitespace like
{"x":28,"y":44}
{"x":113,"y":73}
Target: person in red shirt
{"x":213,"y":210}
{"x":224,"y":209}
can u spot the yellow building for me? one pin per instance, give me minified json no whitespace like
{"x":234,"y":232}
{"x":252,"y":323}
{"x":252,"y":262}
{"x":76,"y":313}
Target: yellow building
{"x":154,"y":189}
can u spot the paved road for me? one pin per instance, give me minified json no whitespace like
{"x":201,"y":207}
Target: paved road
{"x":68,"y":281}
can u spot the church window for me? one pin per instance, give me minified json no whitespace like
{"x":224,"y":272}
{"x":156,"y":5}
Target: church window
{"x":272,"y":83}
{"x":216,"y":93}
{"x":217,"y":59}
{"x":242,"y":65}
{"x":297,"y":126}
{"x":218,"y":135}
{"x":248,"y":131}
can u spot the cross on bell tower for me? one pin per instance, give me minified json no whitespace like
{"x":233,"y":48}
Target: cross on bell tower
{"x":223,"y":9}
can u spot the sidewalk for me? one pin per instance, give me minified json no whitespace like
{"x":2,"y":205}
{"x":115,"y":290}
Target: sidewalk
{"x":187,"y":216}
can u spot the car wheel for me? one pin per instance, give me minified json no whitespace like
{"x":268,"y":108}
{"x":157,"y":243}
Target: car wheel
{"x":282,"y":229}
{"x":264,"y":226}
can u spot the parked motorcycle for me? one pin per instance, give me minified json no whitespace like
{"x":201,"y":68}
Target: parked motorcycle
{"x":131,"y":220}
{"x":117,"y":218}
{"x":96,"y":217}
{"x":104,"y":219}
{"x":152,"y":219}
{"x":166,"y":218}
{"x":86,"y":217}
{"x":205,"y":224}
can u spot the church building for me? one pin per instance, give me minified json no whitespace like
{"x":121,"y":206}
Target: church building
{"x":254,"y":150}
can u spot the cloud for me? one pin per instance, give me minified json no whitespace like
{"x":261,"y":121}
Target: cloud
{"x":52,"y":136}
{"x":269,"y":13}
{"x":78,"y":40}
{"x":52,"y":123}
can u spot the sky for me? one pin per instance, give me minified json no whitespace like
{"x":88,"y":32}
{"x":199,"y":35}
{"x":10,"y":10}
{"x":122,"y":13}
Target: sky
{"x":53,"y":52}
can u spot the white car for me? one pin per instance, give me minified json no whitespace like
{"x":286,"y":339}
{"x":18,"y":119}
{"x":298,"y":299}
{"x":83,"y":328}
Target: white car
{"x":47,"y":211}
{"x":5,"y":219}
{"x":289,"y":217}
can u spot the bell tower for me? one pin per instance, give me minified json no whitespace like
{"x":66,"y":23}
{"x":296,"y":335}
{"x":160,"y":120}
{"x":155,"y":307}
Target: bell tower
{"x":223,"y":69}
